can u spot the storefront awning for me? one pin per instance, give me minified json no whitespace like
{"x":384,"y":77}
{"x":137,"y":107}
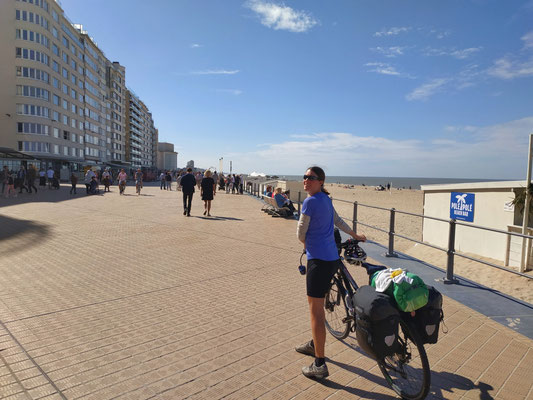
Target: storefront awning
{"x":10,"y":154}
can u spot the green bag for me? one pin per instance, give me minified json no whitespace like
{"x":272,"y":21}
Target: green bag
{"x":409,"y":296}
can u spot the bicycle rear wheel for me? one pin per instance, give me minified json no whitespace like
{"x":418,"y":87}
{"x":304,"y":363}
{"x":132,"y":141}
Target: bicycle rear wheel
{"x":338,"y":320}
{"x":407,"y":372}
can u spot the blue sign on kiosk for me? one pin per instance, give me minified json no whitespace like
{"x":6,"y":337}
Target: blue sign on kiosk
{"x":462,"y":206}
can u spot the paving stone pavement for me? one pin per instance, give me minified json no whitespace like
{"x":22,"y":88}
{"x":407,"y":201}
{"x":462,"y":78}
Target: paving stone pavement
{"x":123,"y":297}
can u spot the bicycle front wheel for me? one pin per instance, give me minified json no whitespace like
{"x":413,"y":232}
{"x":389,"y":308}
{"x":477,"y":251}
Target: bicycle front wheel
{"x":407,"y":372}
{"x":338,"y":320}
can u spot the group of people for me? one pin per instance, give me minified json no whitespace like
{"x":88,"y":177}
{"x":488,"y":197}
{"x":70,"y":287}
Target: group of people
{"x":92,"y":185}
{"x":232,"y":183}
{"x":208,"y":190}
{"x":24,"y":179}
{"x":166,"y":180}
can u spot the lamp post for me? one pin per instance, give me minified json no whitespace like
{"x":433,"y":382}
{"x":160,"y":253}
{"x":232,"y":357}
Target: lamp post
{"x":220,"y":165}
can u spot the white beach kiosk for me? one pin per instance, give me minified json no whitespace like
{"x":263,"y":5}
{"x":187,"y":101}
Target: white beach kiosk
{"x":486,"y":204}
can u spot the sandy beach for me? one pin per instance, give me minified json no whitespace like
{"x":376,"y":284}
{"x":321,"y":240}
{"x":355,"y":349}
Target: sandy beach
{"x":410,"y":226}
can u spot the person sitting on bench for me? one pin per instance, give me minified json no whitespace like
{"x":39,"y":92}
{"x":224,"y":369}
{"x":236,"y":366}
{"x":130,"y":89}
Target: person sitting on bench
{"x":283,"y":201}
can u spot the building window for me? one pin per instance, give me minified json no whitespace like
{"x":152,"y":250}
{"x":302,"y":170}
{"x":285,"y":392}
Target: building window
{"x":32,"y":128}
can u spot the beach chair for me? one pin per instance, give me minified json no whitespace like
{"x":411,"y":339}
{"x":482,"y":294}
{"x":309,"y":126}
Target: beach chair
{"x":272,"y":208}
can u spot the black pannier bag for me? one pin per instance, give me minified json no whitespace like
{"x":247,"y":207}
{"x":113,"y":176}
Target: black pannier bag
{"x":377,"y":321}
{"x":427,"y":319}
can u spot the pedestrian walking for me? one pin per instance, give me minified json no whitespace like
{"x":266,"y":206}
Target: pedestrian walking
{"x":122,"y":177}
{"x":11,"y":186}
{"x":208,"y":191}
{"x":88,"y":179}
{"x":42,"y":178}
{"x":106,"y":180}
{"x":168,"y":178}
{"x":74,"y":182}
{"x":50,"y":176}
{"x":178,"y":179}
{"x":21,"y":179}
{"x":199,"y":176}
{"x":232,"y":178}
{"x":31,"y":174}
{"x":4,"y":176}
{"x":187,"y":183}
{"x":163,"y":181}
{"x":237,"y":183}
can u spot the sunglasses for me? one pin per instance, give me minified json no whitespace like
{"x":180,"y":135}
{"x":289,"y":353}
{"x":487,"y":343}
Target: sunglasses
{"x":310,"y":177}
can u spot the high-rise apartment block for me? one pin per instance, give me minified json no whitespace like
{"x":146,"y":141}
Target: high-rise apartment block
{"x":62,"y":100}
{"x":141,"y":134}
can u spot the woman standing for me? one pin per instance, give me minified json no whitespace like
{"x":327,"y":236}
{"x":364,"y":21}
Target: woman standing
{"x":208,"y":191}
{"x":315,"y":231}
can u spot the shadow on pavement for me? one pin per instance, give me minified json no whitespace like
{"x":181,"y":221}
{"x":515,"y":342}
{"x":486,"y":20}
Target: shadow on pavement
{"x":442,"y":383}
{"x":18,"y":234}
{"x":51,"y":196}
{"x":365,"y":394}
{"x":216,"y":218}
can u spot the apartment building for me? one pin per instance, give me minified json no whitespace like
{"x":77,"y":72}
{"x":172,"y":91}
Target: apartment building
{"x":61,"y":100}
{"x":141,"y":134}
{"x":116,"y":81}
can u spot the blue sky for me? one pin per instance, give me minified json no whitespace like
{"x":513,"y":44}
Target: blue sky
{"x":365,"y":88}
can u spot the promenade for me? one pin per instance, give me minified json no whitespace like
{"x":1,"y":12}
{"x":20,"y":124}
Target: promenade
{"x":123,"y":297}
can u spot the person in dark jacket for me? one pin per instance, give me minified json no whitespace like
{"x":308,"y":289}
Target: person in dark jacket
{"x":31,"y":174}
{"x":187,"y":183}
{"x":21,"y":180}
{"x":74,"y":182}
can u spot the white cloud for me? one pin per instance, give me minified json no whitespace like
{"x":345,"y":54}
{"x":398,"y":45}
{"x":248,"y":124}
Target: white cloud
{"x":392,"y":31}
{"x":463,"y":128}
{"x":467,"y":77}
{"x":426,"y":90}
{"x":216,"y":72}
{"x":382,"y":68}
{"x":460,"y":54}
{"x":515,"y":66}
{"x":235,"y":92}
{"x":195,"y":45}
{"x":465,"y":53}
{"x":439,"y":34}
{"x":281,"y":17}
{"x":498,"y":152}
{"x":509,"y":68}
{"x":389,"y":52}
{"x":528,"y":40}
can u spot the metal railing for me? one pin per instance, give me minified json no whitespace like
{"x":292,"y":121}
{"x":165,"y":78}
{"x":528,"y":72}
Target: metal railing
{"x":257,"y":189}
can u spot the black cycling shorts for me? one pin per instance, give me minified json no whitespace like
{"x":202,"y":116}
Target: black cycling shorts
{"x":319,"y":274}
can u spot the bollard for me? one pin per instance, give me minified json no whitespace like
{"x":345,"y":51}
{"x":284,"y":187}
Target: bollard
{"x":391,"y":253}
{"x":449,"y":279}
{"x":299,"y":202}
{"x":354,"y":220}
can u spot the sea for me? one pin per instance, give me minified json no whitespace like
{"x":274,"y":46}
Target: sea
{"x":396,"y":182}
